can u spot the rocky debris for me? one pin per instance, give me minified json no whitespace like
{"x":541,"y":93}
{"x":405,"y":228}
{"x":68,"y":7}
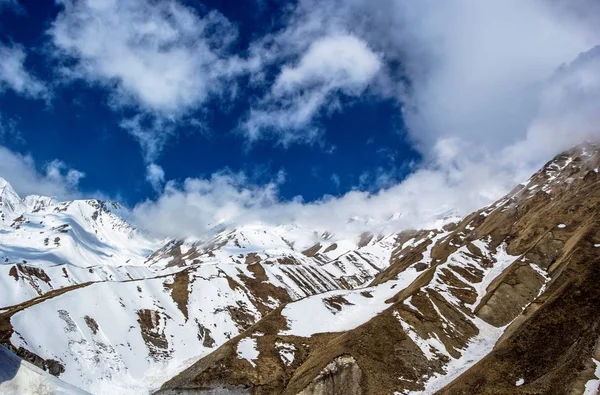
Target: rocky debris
{"x":342,"y":376}
{"x":152,"y":326}
{"x":312,"y":251}
{"x":92,"y":324}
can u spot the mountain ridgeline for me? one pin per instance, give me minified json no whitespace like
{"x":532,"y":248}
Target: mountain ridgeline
{"x":502,"y":301}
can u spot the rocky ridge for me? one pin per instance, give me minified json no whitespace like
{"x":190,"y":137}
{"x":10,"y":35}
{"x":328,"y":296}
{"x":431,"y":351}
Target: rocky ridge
{"x":503,"y":301}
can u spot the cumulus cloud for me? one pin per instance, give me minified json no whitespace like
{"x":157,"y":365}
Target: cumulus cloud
{"x":54,"y":178}
{"x":198,"y":206}
{"x":477,"y":69}
{"x":158,"y":55}
{"x":201,"y":206}
{"x":332,"y":65}
{"x":489,"y":91}
{"x":14,"y":76}
{"x":569,"y":110}
{"x":158,"y":58}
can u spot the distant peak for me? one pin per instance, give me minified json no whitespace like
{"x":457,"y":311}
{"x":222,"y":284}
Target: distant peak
{"x":6,"y":188}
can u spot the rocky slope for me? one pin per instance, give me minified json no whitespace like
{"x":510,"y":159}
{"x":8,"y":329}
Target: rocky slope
{"x":504,"y":301}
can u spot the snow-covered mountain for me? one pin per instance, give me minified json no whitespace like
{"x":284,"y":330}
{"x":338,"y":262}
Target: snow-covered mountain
{"x":263,"y":309}
{"x":122,"y":312}
{"x":46,"y":245}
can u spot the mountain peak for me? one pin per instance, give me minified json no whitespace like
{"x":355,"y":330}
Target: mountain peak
{"x":10,"y":201}
{"x":5,"y":184}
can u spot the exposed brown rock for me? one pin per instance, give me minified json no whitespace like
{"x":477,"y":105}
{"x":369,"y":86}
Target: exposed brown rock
{"x":180,"y":291}
{"x":155,"y":339}
{"x":310,"y":252}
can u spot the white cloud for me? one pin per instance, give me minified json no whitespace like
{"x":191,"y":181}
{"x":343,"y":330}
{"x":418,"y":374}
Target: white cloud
{"x":477,"y":69}
{"x":152,"y":133}
{"x":343,"y":61}
{"x":56,"y":178}
{"x":199,"y":205}
{"x":332,"y":65}
{"x":14,"y":76}
{"x":158,"y":55}
{"x":335,"y":180}
{"x":155,"y":175}
{"x":463,"y":70}
{"x":58,"y":172}
{"x":494,"y":89}
{"x":569,"y":111}
{"x":8,"y":129}
{"x":159,"y":58}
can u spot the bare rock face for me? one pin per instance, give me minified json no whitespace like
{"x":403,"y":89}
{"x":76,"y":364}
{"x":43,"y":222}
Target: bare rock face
{"x":340,"y":377}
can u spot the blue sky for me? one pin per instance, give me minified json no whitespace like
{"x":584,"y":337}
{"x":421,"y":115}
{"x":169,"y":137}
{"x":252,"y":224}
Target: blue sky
{"x":363,"y":139}
{"x":196,"y":113}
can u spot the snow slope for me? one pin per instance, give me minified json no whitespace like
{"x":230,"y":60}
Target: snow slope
{"x":21,"y":377}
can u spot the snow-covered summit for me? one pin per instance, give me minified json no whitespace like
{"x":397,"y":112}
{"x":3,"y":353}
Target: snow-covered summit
{"x":11,"y":203}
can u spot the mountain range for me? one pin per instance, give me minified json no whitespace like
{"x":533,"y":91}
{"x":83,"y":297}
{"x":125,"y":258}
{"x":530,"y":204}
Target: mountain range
{"x":502,"y":301}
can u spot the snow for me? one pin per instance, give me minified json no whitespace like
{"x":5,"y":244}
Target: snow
{"x":562,"y":226}
{"x":592,"y":387}
{"x":287,"y":352}
{"x":430,"y":347}
{"x":357,"y":312}
{"x":358,"y":309}
{"x":61,"y":244}
{"x":248,"y":350}
{"x":520,"y":382}
{"x":503,"y":261}
{"x":116,"y":359}
{"x":101,"y":248}
{"x":21,"y":377}
{"x":478,"y":348}
{"x":363,"y":263}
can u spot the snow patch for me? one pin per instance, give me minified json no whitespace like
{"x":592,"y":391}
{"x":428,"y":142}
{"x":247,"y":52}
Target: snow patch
{"x":358,"y":310}
{"x":592,"y":387}
{"x":478,"y":348}
{"x":430,"y":347}
{"x":520,"y":382}
{"x":247,"y":349}
{"x":287,"y":352}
